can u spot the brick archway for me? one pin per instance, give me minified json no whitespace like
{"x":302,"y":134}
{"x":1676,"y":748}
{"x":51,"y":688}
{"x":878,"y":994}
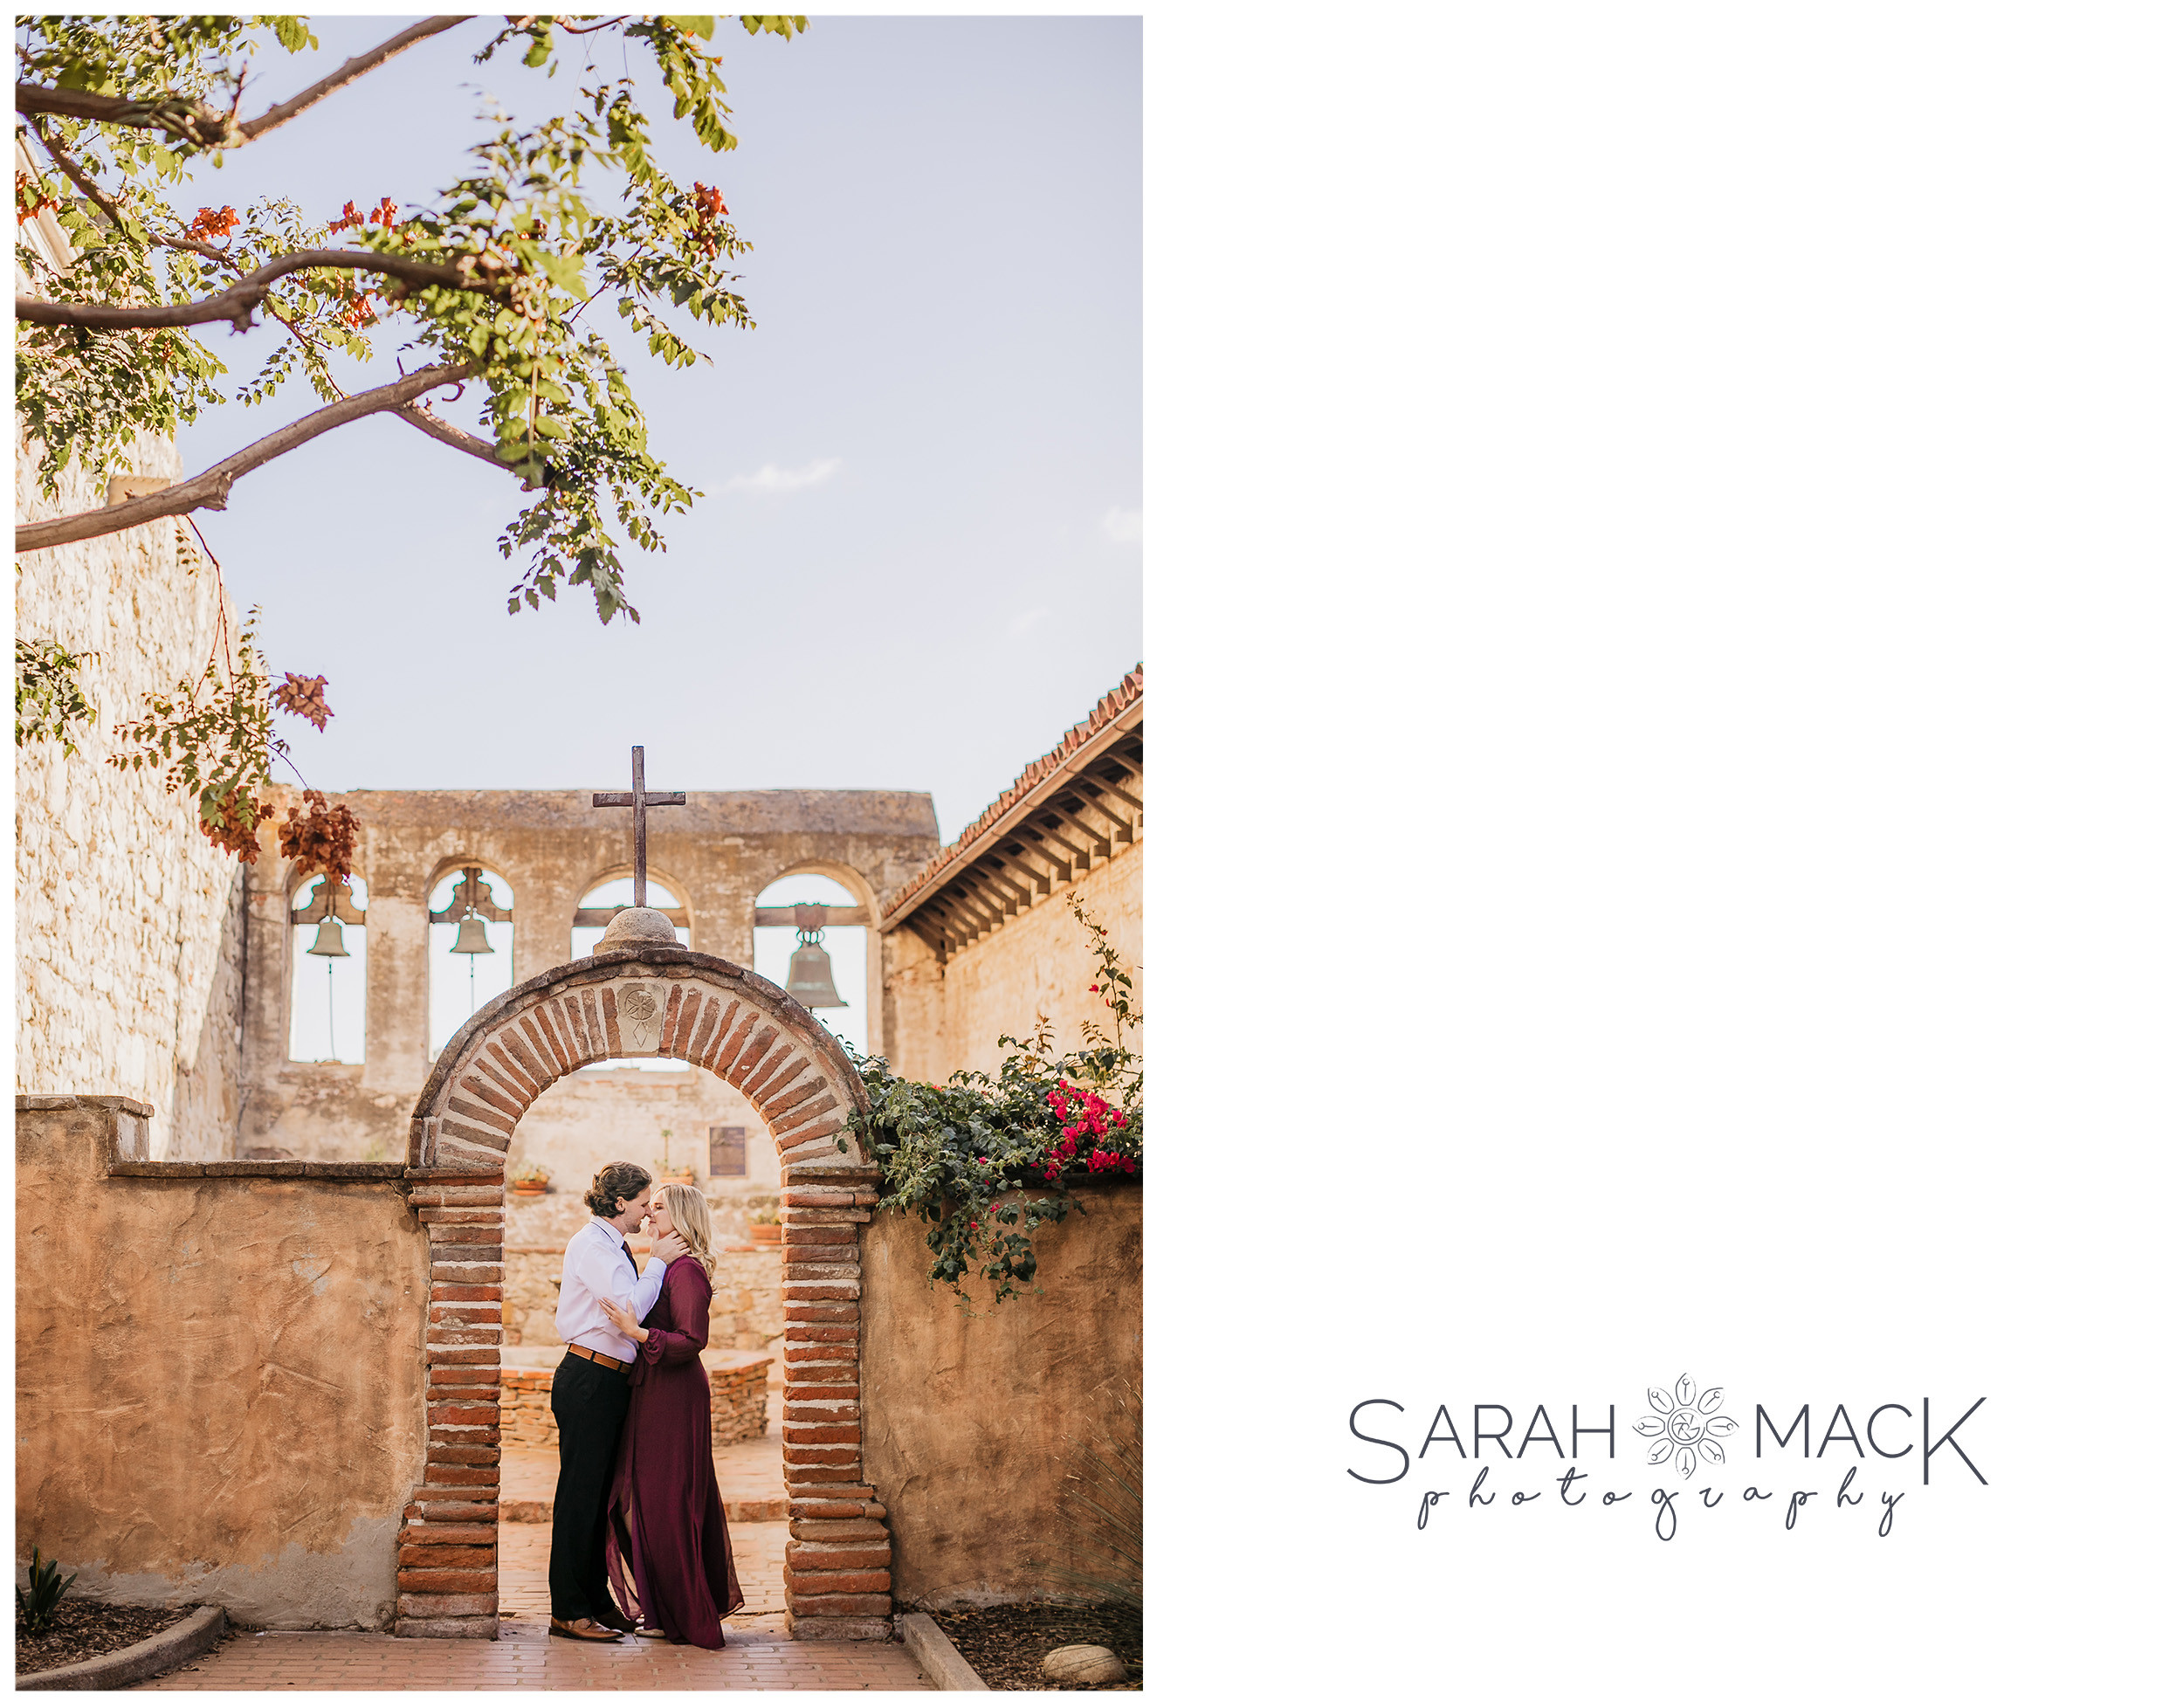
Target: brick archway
{"x":649,"y":1001}
{"x":652,"y":999}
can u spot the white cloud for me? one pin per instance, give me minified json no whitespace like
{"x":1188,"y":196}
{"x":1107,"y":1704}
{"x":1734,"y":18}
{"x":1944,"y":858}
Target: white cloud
{"x":1020,"y":626}
{"x":772,"y":478}
{"x":1125,"y":527}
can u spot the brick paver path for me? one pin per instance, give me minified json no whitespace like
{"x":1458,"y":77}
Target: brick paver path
{"x":760,"y":1655}
{"x":525,"y":1659}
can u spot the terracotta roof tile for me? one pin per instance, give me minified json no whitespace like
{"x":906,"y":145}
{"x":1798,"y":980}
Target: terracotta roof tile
{"x":1110,"y":706}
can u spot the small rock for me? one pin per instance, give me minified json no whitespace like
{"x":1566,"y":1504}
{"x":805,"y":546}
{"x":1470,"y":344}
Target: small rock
{"x":1084,"y":1664}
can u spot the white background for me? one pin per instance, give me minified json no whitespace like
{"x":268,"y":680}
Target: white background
{"x":1661,"y":566}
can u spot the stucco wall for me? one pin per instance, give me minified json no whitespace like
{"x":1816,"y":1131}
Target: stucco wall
{"x":219,"y":1380}
{"x":968,"y":1419}
{"x":943,"y":1017}
{"x":129,"y":923}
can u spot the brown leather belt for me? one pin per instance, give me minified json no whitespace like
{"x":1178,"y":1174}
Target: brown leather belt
{"x":599,"y":1358}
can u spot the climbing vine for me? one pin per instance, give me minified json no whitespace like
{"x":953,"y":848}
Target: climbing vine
{"x":989,"y":1158}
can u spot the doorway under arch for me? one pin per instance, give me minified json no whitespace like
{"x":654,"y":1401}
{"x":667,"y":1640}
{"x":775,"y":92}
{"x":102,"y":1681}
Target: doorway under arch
{"x":662,"y":1000}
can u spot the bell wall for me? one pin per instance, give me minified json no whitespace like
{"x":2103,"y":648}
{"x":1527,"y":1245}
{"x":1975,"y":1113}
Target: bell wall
{"x":551,"y":848}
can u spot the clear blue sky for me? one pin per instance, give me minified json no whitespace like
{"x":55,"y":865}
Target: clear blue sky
{"x":947,"y":216}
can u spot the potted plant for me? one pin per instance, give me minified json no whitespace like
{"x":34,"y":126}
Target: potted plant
{"x":765,"y":1225}
{"x":529,"y":1181}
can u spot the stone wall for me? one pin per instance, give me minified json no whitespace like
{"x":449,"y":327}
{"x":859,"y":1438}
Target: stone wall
{"x":942,"y":1017}
{"x":219,"y":1373}
{"x":970,"y":1420}
{"x":129,"y":923}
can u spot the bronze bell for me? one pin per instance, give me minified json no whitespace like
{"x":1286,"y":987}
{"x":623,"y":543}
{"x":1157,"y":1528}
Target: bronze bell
{"x":470,"y":937}
{"x":328,"y":941}
{"x":810,"y":970}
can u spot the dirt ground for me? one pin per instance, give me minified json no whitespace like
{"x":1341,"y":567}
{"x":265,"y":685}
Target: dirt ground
{"x":84,"y":1630}
{"x":1004,"y":1645}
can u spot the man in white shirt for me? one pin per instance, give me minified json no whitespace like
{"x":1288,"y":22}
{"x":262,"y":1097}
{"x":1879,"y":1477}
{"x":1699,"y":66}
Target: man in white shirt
{"x":591,"y":1392}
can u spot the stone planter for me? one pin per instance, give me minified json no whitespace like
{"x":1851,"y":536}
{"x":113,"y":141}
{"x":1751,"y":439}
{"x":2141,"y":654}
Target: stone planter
{"x":764,"y":1233}
{"x":528,"y":1189}
{"x":679,"y":1177}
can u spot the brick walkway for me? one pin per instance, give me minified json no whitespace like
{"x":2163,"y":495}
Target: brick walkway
{"x":760,"y":1655}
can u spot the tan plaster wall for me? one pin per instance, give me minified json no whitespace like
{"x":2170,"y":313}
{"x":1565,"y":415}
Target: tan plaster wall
{"x":219,"y":1382}
{"x":967,"y":1419}
{"x":551,"y":847}
{"x":129,"y":923}
{"x":946,"y":1017}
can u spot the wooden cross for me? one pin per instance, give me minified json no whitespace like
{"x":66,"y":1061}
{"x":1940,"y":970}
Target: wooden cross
{"x":635,"y":799}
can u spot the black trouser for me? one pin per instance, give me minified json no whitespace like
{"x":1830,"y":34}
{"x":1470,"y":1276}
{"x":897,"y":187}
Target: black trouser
{"x":589,"y":1403}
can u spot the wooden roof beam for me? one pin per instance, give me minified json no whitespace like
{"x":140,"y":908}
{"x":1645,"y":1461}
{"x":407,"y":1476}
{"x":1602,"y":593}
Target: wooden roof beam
{"x":1055,"y":847}
{"x":1043,"y":884}
{"x":1101,"y":845}
{"x":974,"y":904}
{"x":1122,"y":795}
{"x":934,"y":935}
{"x":988,"y":874}
{"x":960,"y":926}
{"x":1097,"y":797}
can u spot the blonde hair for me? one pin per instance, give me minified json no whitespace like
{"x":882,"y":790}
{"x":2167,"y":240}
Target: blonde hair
{"x":693,"y":1219}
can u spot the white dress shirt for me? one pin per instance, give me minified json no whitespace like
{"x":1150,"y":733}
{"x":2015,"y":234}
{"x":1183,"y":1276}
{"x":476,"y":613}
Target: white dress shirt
{"x":596,"y":1265}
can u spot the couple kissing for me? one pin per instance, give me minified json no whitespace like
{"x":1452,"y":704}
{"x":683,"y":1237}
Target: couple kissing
{"x":640,"y":1545}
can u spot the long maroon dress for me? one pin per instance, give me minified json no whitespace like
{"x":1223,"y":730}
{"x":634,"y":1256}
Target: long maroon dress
{"x":667,"y":1555}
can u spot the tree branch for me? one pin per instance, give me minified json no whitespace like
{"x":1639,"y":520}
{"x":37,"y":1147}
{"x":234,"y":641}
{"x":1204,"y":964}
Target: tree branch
{"x":419,"y":416}
{"x":208,"y":490}
{"x":193,"y":121}
{"x":82,"y":179}
{"x":274,"y":117}
{"x":240,"y":300}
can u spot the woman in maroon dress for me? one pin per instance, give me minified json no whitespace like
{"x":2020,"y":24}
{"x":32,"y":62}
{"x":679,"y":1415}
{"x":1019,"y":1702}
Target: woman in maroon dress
{"x":667,"y":1555}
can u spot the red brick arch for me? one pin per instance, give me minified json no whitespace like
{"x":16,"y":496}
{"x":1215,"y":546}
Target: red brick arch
{"x":649,"y":1001}
{"x":667,"y":1001}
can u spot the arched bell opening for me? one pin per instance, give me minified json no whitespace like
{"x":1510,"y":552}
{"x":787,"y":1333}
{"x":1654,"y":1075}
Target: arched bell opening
{"x":328,"y":952}
{"x":471,"y":915}
{"x":813,"y":934}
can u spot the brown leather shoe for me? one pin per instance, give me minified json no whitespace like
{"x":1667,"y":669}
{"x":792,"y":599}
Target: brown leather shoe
{"x":584,"y":1630}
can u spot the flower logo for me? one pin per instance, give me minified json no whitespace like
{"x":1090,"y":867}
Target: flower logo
{"x":1685,"y":1426}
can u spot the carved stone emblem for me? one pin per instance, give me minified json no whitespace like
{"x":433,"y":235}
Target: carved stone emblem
{"x":641,"y":1013}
